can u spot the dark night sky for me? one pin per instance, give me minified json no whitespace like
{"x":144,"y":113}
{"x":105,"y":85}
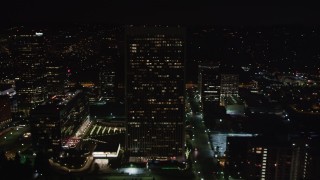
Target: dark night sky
{"x":155,"y":12}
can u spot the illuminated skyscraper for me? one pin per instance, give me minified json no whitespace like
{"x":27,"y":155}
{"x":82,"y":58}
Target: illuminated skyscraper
{"x":29,"y":54}
{"x":269,"y":158}
{"x":209,"y":83}
{"x":155,"y":63}
{"x":108,"y":62}
{"x":55,"y":78}
{"x":229,"y":86}
{"x":107,"y":79}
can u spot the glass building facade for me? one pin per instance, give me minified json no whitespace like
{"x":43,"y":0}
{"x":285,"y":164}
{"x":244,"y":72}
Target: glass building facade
{"x":209,"y":80}
{"x":56,"y":121}
{"x":29,"y":53}
{"x":155,"y":63}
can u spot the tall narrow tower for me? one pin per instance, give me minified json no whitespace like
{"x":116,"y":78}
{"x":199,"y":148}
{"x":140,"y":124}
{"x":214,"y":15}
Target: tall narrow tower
{"x":155,"y":63}
{"x":29,"y":57}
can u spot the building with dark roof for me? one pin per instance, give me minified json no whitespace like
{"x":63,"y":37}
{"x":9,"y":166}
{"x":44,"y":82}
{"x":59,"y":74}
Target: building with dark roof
{"x":209,"y":80}
{"x":106,"y":150}
{"x":58,"y":119}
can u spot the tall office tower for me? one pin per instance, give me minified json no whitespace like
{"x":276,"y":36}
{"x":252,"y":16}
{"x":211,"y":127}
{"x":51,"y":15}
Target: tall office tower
{"x":155,"y":63}
{"x":266,"y":158}
{"x":107,"y":79}
{"x":209,"y":83}
{"x":58,"y":121}
{"x":5,"y":111}
{"x":55,"y":78}
{"x":229,"y":86}
{"x":28,"y":52}
{"x":109,"y":59}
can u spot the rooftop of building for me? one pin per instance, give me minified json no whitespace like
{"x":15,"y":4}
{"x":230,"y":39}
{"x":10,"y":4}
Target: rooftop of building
{"x":233,"y":100}
{"x":4,"y":87}
{"x":62,"y":99}
{"x":46,"y":109}
{"x":221,"y":69}
{"x":263,"y":141}
{"x":107,"y":146}
{"x":55,"y":103}
{"x":254,"y":99}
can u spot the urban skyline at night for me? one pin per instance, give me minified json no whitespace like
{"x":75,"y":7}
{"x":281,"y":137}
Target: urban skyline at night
{"x":161,"y":90}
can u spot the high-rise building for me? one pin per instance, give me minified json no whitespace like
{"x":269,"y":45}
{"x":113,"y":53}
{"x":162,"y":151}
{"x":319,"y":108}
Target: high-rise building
{"x":269,"y":158}
{"x":58,"y":120}
{"x":109,"y":59}
{"x":229,"y":86}
{"x":107,"y":79}
{"x":29,"y":53}
{"x":209,"y":80}
{"x":155,"y":63}
{"x":55,"y":78}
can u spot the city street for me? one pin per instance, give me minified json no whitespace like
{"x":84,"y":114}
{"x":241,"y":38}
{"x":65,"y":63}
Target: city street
{"x":202,"y":154}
